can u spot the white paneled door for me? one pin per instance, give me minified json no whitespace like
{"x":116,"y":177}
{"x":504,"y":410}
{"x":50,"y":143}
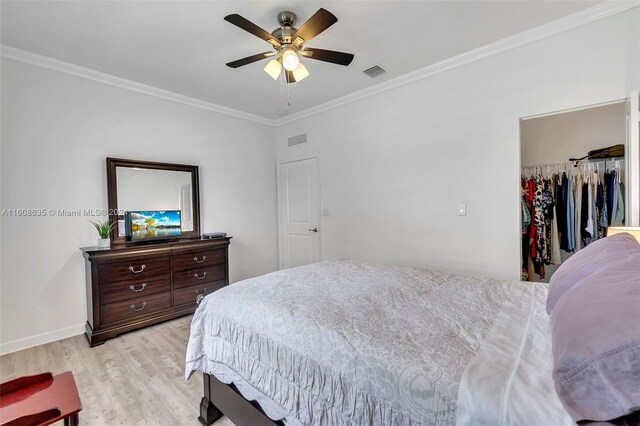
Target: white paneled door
{"x":299,"y":199}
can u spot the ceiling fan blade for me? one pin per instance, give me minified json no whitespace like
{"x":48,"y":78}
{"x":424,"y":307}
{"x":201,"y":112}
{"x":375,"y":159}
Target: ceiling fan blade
{"x":249,"y":26}
{"x":289,"y":76}
{"x":332,"y":56}
{"x":250,"y":59}
{"x":320,"y":21}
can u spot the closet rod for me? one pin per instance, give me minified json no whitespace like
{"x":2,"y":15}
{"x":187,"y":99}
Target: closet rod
{"x":569,"y":167}
{"x":573,"y":163}
{"x":562,"y":163}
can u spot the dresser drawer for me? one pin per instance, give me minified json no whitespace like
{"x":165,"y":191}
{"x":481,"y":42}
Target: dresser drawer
{"x":130,"y":289}
{"x":198,"y":259}
{"x":134,"y":268}
{"x":189,"y":295}
{"x":139,"y":306}
{"x":198,"y":276}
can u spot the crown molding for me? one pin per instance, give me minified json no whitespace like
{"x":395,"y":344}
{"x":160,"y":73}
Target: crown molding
{"x":23,"y":56}
{"x":594,"y":13}
{"x":586,"y":16}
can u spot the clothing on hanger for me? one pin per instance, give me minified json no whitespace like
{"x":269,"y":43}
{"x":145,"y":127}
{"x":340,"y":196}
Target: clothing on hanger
{"x":610,"y":178}
{"x":566,"y":211}
{"x":577,"y":197}
{"x":555,"y":241}
{"x":584,"y":214}
{"x":600,"y":218}
{"x":571,"y":240}
{"x":618,"y":215}
{"x":561,"y":202}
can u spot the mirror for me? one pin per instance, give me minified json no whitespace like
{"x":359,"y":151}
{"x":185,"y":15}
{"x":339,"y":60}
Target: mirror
{"x":134,"y":185}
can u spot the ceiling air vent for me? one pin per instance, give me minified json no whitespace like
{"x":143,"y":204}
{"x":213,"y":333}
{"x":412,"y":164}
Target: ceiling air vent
{"x":297,"y":140}
{"x":374,"y":71}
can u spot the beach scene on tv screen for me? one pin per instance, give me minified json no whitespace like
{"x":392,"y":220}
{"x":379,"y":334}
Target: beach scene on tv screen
{"x":155,"y":224}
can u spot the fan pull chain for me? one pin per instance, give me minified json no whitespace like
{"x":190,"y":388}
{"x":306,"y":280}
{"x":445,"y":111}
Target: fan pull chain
{"x":282,"y":82}
{"x":281,"y":89}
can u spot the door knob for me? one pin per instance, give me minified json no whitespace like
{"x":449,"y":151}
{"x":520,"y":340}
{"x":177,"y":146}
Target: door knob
{"x":314,"y":230}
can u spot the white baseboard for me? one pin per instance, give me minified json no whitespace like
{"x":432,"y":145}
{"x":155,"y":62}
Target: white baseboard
{"x":40,"y":339}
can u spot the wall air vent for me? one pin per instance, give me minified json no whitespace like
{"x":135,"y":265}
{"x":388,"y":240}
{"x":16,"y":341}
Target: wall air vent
{"x":374,"y":71}
{"x":297,"y":140}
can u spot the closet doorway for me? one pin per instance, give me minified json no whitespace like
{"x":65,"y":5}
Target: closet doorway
{"x":566,"y":205}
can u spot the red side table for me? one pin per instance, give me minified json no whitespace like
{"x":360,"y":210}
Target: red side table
{"x":40,"y":400}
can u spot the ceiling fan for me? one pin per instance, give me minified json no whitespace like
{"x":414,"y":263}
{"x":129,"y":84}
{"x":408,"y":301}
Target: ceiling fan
{"x":288,"y":44}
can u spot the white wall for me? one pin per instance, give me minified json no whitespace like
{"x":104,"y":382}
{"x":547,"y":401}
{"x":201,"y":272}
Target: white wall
{"x":556,"y":138}
{"x":395,"y":165}
{"x":57,"y":130}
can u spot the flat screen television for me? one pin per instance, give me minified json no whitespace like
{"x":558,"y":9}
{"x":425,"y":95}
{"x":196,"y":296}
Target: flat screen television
{"x":144,"y":225}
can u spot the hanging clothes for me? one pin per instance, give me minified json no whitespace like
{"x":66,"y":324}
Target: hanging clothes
{"x":617,"y":218}
{"x":601,"y":206}
{"x":571,"y":240}
{"x":533,"y":229}
{"x":584,"y":215}
{"x":592,"y":225}
{"x":604,"y":220}
{"x":561,"y":203}
{"x":526,"y":207}
{"x":547,"y":205}
{"x":525,"y":216}
{"x":525,"y":221}
{"x":610,"y":178}
{"x":566,"y":211}
{"x":555,"y":240}
{"x":577,"y":197}
{"x":539,"y":221}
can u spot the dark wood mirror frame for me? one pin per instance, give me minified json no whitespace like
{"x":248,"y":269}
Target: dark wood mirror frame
{"x":112,"y":192}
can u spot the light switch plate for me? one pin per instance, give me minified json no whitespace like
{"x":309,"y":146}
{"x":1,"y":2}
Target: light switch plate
{"x":462,"y":209}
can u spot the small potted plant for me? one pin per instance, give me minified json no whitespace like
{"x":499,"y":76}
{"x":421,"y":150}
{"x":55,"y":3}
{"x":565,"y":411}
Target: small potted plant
{"x":104,"y":229}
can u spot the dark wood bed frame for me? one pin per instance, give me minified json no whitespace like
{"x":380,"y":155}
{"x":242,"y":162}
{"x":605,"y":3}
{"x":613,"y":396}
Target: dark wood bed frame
{"x":220,"y":398}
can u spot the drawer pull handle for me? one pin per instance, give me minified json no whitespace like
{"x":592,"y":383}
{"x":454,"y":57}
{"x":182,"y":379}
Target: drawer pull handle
{"x":200,"y":296}
{"x":133,"y":307}
{"x":131,"y":268}
{"x":204,"y":274}
{"x":200,"y":261}
{"x":141,"y":288}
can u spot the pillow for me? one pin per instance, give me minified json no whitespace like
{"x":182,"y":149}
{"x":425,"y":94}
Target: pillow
{"x":587,"y":261}
{"x":595,"y":332}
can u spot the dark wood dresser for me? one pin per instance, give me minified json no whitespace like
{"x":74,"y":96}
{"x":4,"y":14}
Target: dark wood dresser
{"x":130,"y":287}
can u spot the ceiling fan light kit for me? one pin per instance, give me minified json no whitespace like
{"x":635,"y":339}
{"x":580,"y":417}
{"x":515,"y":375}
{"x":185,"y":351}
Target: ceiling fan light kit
{"x":290,"y":60}
{"x":288,"y":44}
{"x":273,"y":68}
{"x":300,"y":72}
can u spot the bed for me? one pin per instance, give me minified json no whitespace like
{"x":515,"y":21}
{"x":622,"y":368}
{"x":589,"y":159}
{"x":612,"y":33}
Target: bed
{"x":350,"y":343}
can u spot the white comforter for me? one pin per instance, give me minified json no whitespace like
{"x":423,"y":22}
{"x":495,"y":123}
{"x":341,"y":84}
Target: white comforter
{"x":350,"y":343}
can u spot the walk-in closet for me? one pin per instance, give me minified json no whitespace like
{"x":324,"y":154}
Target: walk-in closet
{"x":568,"y":198}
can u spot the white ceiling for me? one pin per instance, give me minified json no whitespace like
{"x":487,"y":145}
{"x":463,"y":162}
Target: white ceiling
{"x":182,"y":46}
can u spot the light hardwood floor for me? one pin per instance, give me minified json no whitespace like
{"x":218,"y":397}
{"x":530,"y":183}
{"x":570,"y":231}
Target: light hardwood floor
{"x":134,"y":379}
